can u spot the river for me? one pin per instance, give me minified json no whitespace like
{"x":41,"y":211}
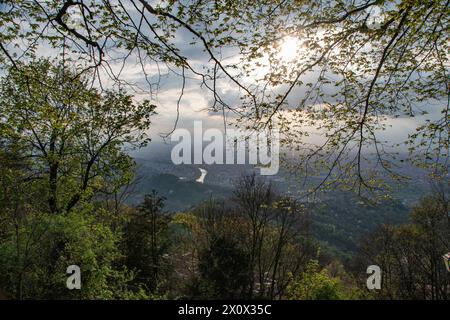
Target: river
{"x":202,"y":176}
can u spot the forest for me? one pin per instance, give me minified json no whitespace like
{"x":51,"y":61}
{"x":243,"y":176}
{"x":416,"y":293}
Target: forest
{"x":358,"y":89}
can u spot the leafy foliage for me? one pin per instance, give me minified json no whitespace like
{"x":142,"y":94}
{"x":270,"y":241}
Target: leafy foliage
{"x":315,"y":284}
{"x":147,"y":243}
{"x":410,"y":254}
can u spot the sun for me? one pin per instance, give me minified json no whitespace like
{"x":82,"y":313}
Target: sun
{"x":289,"y":48}
{"x":285,"y":51}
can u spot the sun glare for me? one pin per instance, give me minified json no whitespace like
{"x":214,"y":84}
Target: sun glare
{"x":288,"y":49}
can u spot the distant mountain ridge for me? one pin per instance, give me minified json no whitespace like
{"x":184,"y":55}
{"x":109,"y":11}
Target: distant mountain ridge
{"x":339,"y":219}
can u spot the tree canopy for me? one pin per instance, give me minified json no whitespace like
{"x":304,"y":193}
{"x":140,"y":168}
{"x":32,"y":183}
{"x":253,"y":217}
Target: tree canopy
{"x":69,"y":136}
{"x":357,"y":66}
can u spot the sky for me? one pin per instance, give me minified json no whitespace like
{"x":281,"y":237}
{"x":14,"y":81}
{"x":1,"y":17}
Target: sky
{"x":197,"y":100}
